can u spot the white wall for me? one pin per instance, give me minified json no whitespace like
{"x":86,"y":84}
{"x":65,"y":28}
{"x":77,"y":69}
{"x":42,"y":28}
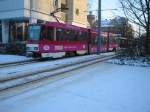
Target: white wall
{"x":44,"y":6}
{"x":21,"y":8}
{"x":11,"y":8}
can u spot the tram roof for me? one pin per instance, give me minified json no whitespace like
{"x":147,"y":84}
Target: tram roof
{"x":66,"y":26}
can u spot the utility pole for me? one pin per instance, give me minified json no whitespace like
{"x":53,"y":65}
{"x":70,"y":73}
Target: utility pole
{"x":99,"y":28}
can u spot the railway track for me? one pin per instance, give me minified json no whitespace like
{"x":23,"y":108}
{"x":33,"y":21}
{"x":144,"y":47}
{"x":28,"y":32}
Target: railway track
{"x":11,"y":64}
{"x":36,"y":76}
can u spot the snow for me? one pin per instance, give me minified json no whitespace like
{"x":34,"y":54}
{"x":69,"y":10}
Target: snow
{"x":12,"y":58}
{"x":15,"y":58}
{"x":24,"y":69}
{"x":131,"y":61}
{"x":101,"y":87}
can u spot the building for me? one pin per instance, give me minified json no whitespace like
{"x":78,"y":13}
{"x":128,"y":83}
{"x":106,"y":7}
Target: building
{"x":15,"y":16}
{"x":76,"y":13}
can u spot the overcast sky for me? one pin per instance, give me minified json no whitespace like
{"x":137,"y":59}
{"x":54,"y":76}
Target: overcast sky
{"x":106,"y":4}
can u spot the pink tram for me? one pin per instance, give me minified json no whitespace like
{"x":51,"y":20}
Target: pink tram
{"x":56,"y":40}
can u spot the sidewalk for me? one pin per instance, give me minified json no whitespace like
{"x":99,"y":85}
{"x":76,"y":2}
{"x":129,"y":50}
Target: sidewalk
{"x":12,"y":58}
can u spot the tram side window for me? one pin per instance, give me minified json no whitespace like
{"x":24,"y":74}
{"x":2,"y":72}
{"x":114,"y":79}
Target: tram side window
{"x":59,"y":34}
{"x":112,"y":40}
{"x":76,"y":35}
{"x":103,"y":40}
{"x":82,"y":36}
{"x":62,"y":35}
{"x":50,"y":33}
{"x":71,"y":35}
{"x":68,"y":35}
{"x":44,"y":33}
{"x":93,"y":39}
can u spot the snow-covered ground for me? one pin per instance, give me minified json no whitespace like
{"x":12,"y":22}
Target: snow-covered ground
{"x":102,"y":87}
{"x":15,"y":58}
{"x":131,"y":61}
{"x":12,"y":58}
{"x":46,"y":64}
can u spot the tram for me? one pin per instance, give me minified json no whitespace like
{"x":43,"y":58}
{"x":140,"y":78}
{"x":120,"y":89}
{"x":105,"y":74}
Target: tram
{"x":56,"y":40}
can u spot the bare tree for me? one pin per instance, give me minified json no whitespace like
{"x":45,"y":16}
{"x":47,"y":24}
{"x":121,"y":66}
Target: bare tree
{"x":138,"y":12}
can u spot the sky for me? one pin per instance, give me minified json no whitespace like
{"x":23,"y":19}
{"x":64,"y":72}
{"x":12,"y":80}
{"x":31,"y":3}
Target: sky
{"x":106,"y":4}
{"x":109,"y":14}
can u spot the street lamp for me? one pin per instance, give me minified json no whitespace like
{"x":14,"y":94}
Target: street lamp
{"x":99,"y":28}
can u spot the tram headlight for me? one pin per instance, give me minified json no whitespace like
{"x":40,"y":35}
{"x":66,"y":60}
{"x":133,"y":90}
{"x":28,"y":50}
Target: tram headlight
{"x":32,"y":47}
{"x":36,"y":48}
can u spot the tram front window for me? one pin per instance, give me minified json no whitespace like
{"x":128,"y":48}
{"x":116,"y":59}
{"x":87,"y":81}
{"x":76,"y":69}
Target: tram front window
{"x":34,"y":32}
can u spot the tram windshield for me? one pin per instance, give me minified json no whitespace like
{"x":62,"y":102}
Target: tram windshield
{"x":34,"y":32}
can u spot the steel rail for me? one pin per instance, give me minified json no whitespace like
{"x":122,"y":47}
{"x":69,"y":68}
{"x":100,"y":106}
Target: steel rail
{"x":17,"y":63}
{"x":19,"y":81}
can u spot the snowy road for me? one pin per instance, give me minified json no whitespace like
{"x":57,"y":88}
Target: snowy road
{"x":39,"y":65}
{"x":99,"y":88}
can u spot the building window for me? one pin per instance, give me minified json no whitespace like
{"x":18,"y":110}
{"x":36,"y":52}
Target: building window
{"x":56,"y":3}
{"x":77,"y":12}
{"x":18,"y":31}
{"x":63,"y":7}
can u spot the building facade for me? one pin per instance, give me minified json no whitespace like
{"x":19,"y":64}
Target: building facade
{"x":15,"y":16}
{"x":76,"y":13}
